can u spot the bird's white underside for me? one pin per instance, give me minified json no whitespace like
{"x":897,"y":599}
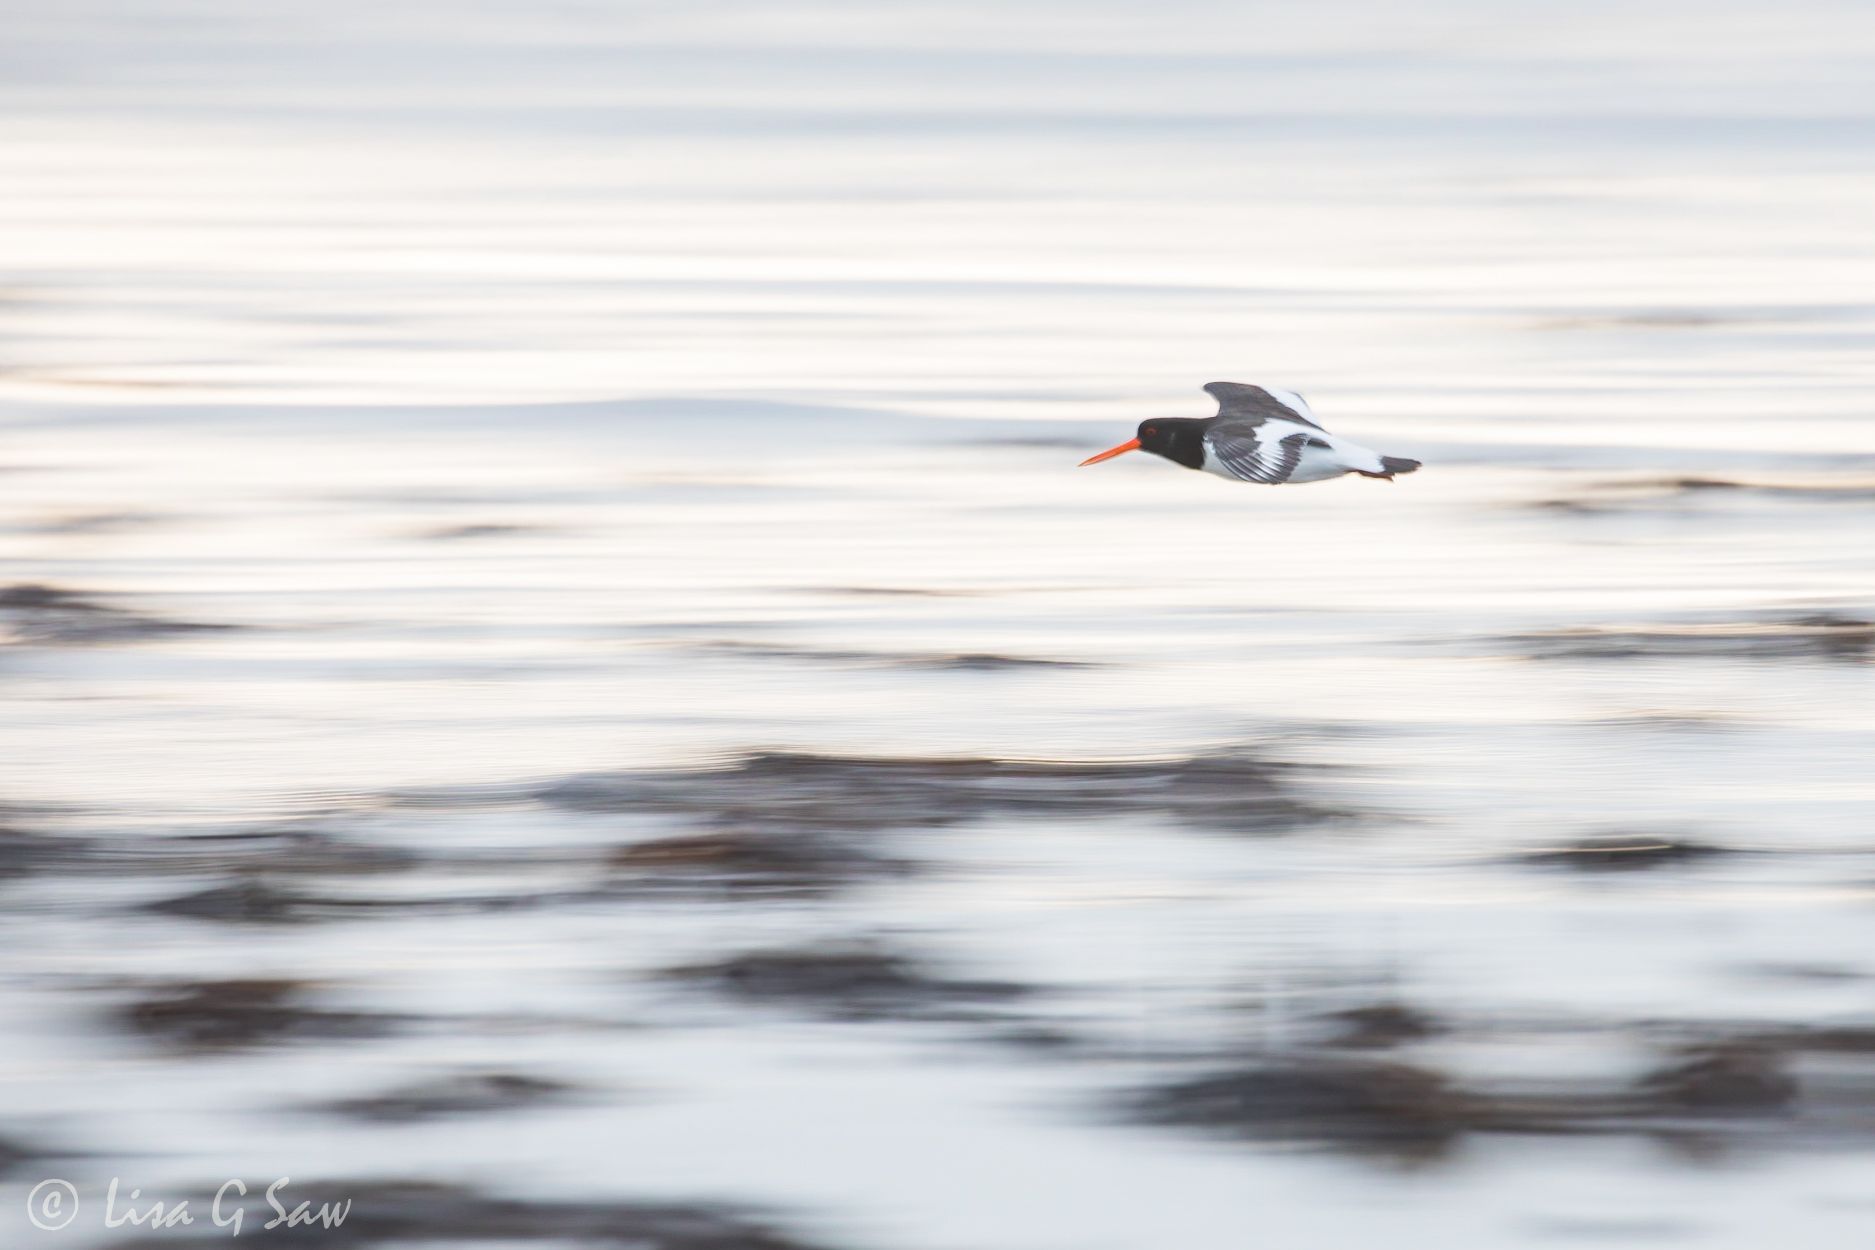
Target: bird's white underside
{"x":1317,"y":464}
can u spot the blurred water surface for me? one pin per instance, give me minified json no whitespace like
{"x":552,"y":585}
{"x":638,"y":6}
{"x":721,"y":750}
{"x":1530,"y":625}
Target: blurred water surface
{"x":554,"y":643}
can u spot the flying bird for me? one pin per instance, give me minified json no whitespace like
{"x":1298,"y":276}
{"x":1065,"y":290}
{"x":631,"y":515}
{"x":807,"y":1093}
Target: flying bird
{"x":1260,"y":434}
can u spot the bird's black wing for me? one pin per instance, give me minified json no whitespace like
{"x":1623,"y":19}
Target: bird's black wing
{"x":1258,"y":451}
{"x":1253,"y":403}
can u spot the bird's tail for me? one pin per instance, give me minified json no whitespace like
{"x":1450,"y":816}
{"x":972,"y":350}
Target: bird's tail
{"x":1389,"y":465}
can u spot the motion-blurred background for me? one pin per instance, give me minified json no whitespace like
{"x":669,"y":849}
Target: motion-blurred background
{"x":560,"y":682}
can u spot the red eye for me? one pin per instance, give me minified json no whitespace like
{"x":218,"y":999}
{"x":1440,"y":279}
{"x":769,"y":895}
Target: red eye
{"x":1152,"y":429}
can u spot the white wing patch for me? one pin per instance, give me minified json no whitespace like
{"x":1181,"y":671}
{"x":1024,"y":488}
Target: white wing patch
{"x":1290,"y":399}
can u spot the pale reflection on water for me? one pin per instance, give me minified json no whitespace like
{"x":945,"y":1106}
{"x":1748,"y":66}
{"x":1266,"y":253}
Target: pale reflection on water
{"x":553,"y":642}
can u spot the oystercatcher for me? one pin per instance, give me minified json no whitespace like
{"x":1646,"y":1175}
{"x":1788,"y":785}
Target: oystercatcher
{"x":1260,"y":434}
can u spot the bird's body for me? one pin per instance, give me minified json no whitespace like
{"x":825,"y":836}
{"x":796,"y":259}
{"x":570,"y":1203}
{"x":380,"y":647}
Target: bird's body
{"x":1260,"y":434}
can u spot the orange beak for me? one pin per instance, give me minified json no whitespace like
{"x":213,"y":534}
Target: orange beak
{"x":1131,"y":444}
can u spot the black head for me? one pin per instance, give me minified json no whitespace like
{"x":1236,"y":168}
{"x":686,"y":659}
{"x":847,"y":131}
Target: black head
{"x":1178,"y":439}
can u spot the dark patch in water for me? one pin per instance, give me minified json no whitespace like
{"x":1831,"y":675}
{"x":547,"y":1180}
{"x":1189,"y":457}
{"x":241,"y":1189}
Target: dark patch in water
{"x":920,"y":592}
{"x":1664,"y":319}
{"x":1732,"y":1077}
{"x":259,"y":872}
{"x":1621,"y":852}
{"x":23,"y":852}
{"x":845,"y":982}
{"x":1037,"y":1038}
{"x":15,"y":1154}
{"x":242,"y":1013}
{"x":251,"y":899}
{"x":986,"y":662}
{"x":1385,"y":1108}
{"x":277,"y":853}
{"x":796,"y":862}
{"x":1381,"y":1025}
{"x":1822,"y":490}
{"x":44,"y":615}
{"x":1823,"y":636}
{"x":97,"y":522}
{"x":1803,"y":971}
{"x":968,"y":661}
{"x":1692,"y":720}
{"x":456,"y":1094}
{"x":1235,"y":792}
{"x":1842,"y":1039}
{"x":1655,"y":493}
{"x":1722,"y":1086}
{"x":284,"y":849}
{"x":471,"y":532}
